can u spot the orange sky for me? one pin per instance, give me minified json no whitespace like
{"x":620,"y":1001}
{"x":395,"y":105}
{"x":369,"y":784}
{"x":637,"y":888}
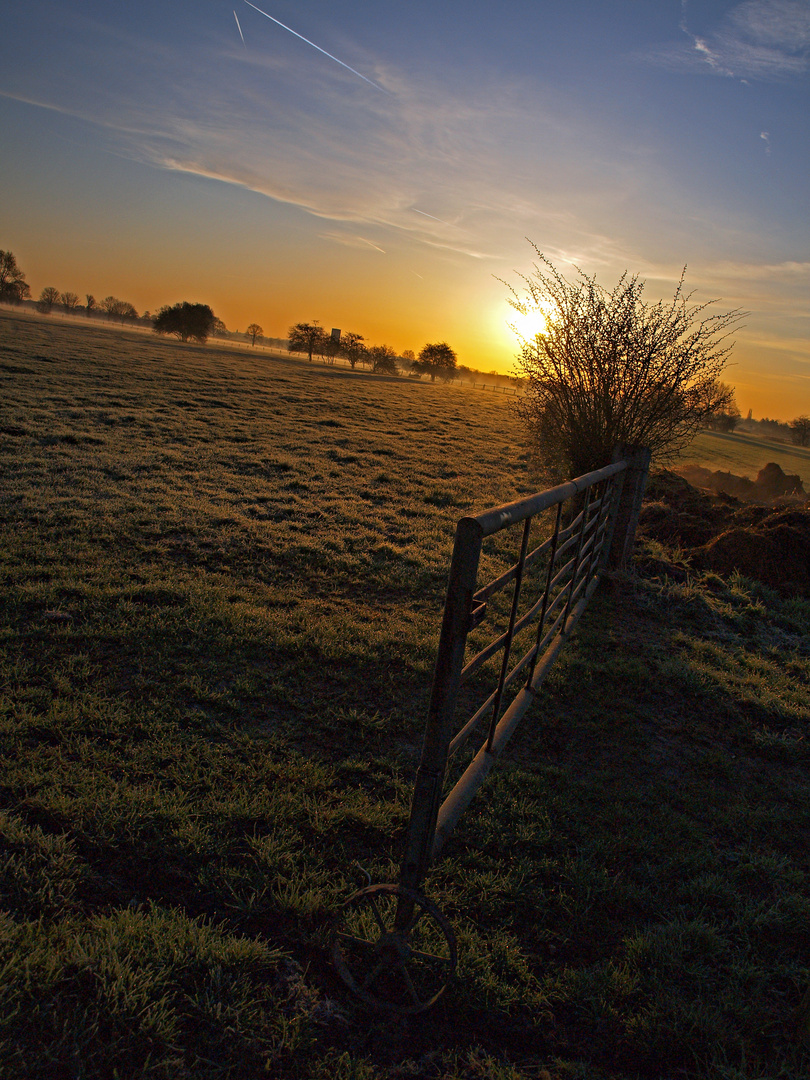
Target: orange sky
{"x":150,"y":153}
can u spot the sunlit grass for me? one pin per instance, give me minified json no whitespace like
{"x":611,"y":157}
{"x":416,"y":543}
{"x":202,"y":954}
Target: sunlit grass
{"x":223,"y":577}
{"x":745,"y":455}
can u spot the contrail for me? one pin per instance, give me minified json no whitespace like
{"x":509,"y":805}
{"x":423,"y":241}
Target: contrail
{"x":432,"y":218}
{"x":314,"y":46}
{"x":241,"y":35}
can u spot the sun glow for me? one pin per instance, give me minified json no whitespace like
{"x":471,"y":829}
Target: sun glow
{"x":533,"y":321}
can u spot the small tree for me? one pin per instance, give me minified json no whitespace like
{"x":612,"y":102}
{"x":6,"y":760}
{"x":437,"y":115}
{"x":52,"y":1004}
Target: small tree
{"x":70,"y":301}
{"x":353,"y":349}
{"x":383,"y":360}
{"x":438,"y":359}
{"x":186,"y":321}
{"x":305,"y":337}
{"x":90,"y":303}
{"x":47,"y":298}
{"x":609,"y":368}
{"x":219,"y":329}
{"x":800,"y":430}
{"x":727,"y":416}
{"x":254,"y":331}
{"x":13,"y":286}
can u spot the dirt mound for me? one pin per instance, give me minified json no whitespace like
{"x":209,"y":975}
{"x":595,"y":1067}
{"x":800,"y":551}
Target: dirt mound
{"x":675,"y":512}
{"x":718,"y":532}
{"x":772,"y":483}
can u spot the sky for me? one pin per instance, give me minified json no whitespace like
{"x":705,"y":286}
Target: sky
{"x":386,"y":167}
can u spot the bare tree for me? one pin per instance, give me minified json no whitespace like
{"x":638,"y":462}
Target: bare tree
{"x":352,"y":348}
{"x":69,"y":301}
{"x":727,"y":416}
{"x":800,"y":430}
{"x":610,"y":368}
{"x":91,"y":303}
{"x":305,"y":337}
{"x":383,"y":360}
{"x":47,"y":298}
{"x":13,"y":286}
{"x":254,"y":331}
{"x":118,"y":309}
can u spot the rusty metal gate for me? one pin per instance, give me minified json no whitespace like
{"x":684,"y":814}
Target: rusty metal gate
{"x":391,"y":945}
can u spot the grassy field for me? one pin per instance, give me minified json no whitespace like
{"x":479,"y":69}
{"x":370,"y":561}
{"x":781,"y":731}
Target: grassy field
{"x":745,"y":455}
{"x":222,"y":583}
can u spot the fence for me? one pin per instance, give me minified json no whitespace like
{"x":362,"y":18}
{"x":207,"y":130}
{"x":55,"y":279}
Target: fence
{"x":392,"y":946}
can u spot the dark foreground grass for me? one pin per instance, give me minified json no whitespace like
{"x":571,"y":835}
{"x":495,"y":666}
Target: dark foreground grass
{"x":222,"y":578}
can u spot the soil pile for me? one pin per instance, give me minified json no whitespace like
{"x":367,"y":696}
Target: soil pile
{"x":718,"y":532}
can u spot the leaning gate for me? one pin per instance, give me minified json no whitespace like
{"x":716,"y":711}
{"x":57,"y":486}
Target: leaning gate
{"x":498,"y":641}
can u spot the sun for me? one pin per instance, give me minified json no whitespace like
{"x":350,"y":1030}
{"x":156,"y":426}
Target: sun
{"x":531,"y":323}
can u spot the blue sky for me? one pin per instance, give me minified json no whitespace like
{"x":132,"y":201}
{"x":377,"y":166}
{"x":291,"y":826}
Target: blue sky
{"x":148,"y":152}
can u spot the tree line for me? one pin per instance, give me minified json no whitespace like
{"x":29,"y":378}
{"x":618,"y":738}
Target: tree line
{"x":197,"y":322}
{"x":437,"y":359}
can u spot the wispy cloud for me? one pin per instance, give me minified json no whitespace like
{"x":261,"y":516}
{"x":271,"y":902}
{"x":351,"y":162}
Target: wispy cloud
{"x":758,"y":39}
{"x":351,"y":240}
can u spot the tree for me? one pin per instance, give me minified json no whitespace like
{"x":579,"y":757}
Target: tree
{"x":186,"y":321}
{"x":91,"y":303}
{"x":254,"y":331}
{"x":383,"y":360}
{"x":305,"y":337}
{"x":13,"y":286}
{"x":438,"y":359}
{"x":47,"y":298}
{"x":329,"y":348}
{"x":609,"y":368}
{"x":727,"y":416}
{"x":800,"y":430}
{"x":70,"y":301}
{"x":219,"y":329}
{"x":118,"y":309}
{"x":352,"y":348}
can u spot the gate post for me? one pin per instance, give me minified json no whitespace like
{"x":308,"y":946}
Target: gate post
{"x":629,"y":508}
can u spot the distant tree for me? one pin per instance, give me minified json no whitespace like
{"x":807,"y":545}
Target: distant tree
{"x":118,"y":309}
{"x":726,"y":417}
{"x":47,"y":298}
{"x":13,"y":287}
{"x":438,"y":359}
{"x":305,"y":337}
{"x":329,"y":348}
{"x":352,"y":348}
{"x":186,"y":321}
{"x":383,"y":360}
{"x":609,"y":368}
{"x":219,"y":329}
{"x":91,"y":303}
{"x":70,"y":301}
{"x":254,"y":331}
{"x":800,"y":430}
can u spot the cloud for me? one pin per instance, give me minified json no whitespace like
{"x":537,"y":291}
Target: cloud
{"x":758,"y":39}
{"x":350,"y":240}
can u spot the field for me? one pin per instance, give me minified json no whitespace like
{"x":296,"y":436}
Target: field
{"x":223,"y":578}
{"x":745,"y":455}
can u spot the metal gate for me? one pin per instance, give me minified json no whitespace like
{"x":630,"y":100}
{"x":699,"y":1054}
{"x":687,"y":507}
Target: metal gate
{"x":392,"y":946}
